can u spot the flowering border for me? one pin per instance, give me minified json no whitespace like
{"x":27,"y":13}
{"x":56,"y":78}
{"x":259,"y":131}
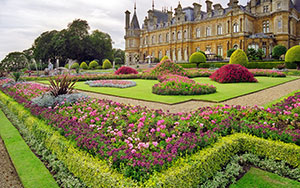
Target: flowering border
{"x":111,"y":83}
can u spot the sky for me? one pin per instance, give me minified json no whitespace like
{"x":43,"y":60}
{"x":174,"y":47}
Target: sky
{"x":22,"y":21}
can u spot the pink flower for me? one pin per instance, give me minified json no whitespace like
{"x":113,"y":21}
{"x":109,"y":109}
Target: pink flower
{"x":140,"y":125}
{"x":92,"y":121}
{"x":158,"y":129}
{"x":152,"y":130}
{"x":296,"y":115}
{"x":168,"y":140}
{"x":155,"y":143}
{"x":129,"y":130}
{"x":120,"y":134}
{"x":97,"y":119}
{"x":182,"y":118}
{"x":131,"y":125}
{"x":162,"y":135}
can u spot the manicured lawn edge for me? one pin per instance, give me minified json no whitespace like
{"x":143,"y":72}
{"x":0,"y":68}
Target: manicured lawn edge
{"x":45,"y":82}
{"x":186,"y":172}
{"x":270,"y":104}
{"x":30,"y":169}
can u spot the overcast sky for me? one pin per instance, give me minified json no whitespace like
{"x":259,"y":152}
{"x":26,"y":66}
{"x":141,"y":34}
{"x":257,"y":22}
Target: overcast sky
{"x":22,"y":21}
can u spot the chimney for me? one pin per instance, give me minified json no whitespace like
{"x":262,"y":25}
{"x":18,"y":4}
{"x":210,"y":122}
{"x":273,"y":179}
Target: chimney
{"x":170,"y":14}
{"x":217,"y":6}
{"x":197,"y":8}
{"x":127,"y":19}
{"x":208,"y":6}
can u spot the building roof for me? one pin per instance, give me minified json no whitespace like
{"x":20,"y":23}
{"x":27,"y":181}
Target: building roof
{"x":161,"y":16}
{"x":135,"y":22}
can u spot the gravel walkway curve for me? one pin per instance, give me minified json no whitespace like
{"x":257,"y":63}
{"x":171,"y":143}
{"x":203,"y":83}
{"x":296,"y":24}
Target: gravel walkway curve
{"x":258,"y":98}
{"x":8,"y":175}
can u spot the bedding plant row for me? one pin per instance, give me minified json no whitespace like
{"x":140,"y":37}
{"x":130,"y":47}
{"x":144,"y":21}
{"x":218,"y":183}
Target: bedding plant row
{"x":137,"y":141}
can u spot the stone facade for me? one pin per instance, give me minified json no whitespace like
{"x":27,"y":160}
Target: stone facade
{"x":260,"y":24}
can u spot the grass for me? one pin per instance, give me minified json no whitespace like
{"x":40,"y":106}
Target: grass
{"x":30,"y":169}
{"x":143,"y":90}
{"x":257,"y":178}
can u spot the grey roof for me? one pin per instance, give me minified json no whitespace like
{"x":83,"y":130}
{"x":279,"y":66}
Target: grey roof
{"x":189,"y":13}
{"x":161,"y":16}
{"x":135,"y":22}
{"x":295,"y":5}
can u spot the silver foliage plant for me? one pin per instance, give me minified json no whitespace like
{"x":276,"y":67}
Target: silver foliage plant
{"x":47,"y":100}
{"x":106,"y":83}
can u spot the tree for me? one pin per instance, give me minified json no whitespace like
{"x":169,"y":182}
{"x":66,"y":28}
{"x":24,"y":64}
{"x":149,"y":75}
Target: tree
{"x":278,"y":51}
{"x":251,"y":54}
{"x":293,"y":56}
{"x":230,"y":52}
{"x":14,"y":61}
{"x":119,"y":53}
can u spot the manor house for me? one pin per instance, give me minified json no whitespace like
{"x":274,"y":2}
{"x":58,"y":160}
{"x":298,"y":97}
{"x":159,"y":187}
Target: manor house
{"x":260,"y":24}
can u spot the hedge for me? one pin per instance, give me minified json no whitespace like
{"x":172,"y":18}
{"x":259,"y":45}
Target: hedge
{"x":253,"y":65}
{"x":188,"y":65}
{"x":185,"y":172}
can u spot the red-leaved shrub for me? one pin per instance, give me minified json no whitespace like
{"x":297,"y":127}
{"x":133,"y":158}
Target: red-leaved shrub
{"x":126,"y":70}
{"x":233,"y":73}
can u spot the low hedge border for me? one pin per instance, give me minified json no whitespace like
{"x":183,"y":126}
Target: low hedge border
{"x":61,"y":174}
{"x":251,"y":65}
{"x":185,"y":172}
{"x":30,"y":169}
{"x":233,"y":169}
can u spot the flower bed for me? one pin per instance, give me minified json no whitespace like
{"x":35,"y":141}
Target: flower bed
{"x":138,"y":142}
{"x":233,"y":73}
{"x":180,"y":85}
{"x":269,"y":73}
{"x":126,"y":70}
{"x":111,"y":83}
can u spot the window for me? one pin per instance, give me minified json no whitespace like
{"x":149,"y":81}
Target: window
{"x":179,"y":55}
{"x":167,"y":37}
{"x":174,"y":36}
{"x":147,"y":39}
{"x":265,"y":8}
{"x":236,"y":28}
{"x":197,"y":49}
{"x":279,"y":5}
{"x":279,"y":24}
{"x":179,"y":36}
{"x":160,"y":38}
{"x":153,"y":39}
{"x":219,"y":28}
{"x":198,"y":33}
{"x":160,"y":54}
{"x":236,"y":46}
{"x":208,"y":49}
{"x":266,"y":26}
{"x":185,"y":34}
{"x":220,"y":51}
{"x":208,"y":31}
{"x":130,"y":43}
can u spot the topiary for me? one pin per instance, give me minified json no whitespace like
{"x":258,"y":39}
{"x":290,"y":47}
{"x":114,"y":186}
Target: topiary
{"x":197,"y":58}
{"x":67,"y":66}
{"x":84,"y":66}
{"x":106,"y":64}
{"x":202,"y":53}
{"x":233,"y":73}
{"x":238,"y":57}
{"x":278,"y":51}
{"x":75,"y":66}
{"x":230,"y":52}
{"x":164,"y":58}
{"x":126,"y":70}
{"x":93,"y":64}
{"x":293,"y":56}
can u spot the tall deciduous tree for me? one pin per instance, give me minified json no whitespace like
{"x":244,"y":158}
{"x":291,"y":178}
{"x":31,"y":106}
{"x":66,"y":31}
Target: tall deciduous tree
{"x":14,"y":61}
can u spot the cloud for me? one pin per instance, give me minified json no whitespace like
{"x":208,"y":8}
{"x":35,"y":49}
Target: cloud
{"x":21,"y":22}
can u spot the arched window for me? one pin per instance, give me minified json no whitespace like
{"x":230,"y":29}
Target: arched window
{"x":208,"y":31}
{"x":153,"y":39}
{"x":185,"y":34}
{"x":179,"y":35}
{"x":236,"y":28}
{"x":236,"y":46}
{"x":160,"y":38}
{"x":219,"y":28}
{"x":174,"y":36}
{"x":198,"y":33}
{"x":167,"y":37}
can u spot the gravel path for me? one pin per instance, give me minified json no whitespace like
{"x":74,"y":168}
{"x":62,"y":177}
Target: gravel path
{"x":258,"y":98}
{"x":8,"y":175}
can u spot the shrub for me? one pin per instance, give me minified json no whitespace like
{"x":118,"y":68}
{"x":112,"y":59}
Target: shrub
{"x":197,"y":58}
{"x":238,"y":57}
{"x":84,"y":66}
{"x":230,"y":52}
{"x":118,"y":61}
{"x":164,"y":58}
{"x":67,"y":66}
{"x":233,"y":73}
{"x":278,"y":51}
{"x":93,"y":64}
{"x":253,"y":54}
{"x":293,"y":56}
{"x":180,"y":85}
{"x":75,"y":66}
{"x":166,"y":67}
{"x":62,"y":86}
{"x":106,"y":64}
{"x":203,"y":53}
{"x":188,"y":65}
{"x":16,"y":76}
{"x":111,"y":83}
{"x":50,"y":101}
{"x":126,"y":70}
{"x":156,"y":60}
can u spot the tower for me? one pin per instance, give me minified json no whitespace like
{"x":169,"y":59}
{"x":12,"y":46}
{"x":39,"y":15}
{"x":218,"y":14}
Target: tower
{"x":132,"y":38}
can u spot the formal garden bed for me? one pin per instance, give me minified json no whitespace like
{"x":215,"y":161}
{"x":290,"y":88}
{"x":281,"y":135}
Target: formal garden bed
{"x":111,"y":83}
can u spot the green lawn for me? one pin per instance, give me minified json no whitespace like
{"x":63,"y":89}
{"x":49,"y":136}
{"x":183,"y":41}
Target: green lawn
{"x":143,"y":90}
{"x":257,"y":178}
{"x":30,"y":169}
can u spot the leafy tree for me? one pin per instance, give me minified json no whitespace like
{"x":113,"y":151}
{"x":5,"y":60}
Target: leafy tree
{"x":230,"y":52}
{"x":119,"y":53}
{"x":251,"y":54}
{"x":278,"y":51}
{"x":260,"y":54}
{"x":14,"y":61}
